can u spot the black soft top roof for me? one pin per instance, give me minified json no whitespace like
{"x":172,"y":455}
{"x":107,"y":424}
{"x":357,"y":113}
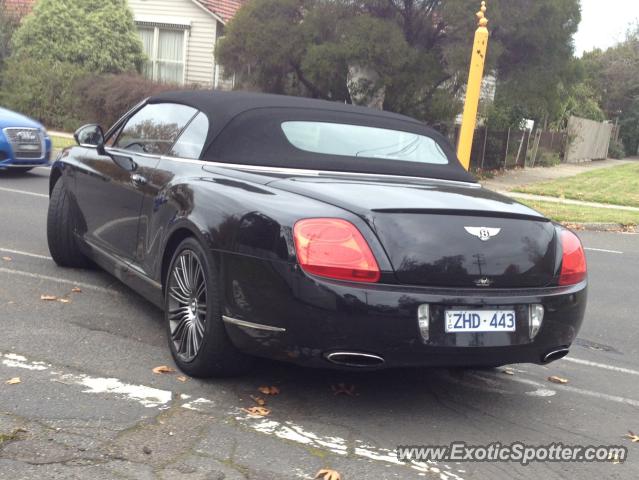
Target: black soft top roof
{"x":245,"y":127}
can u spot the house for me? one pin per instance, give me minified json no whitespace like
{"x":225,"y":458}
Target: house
{"x":179,"y":38}
{"x":20,"y":8}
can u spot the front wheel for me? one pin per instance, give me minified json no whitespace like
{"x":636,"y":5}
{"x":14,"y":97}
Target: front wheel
{"x":197,"y":336}
{"x":61,"y":227}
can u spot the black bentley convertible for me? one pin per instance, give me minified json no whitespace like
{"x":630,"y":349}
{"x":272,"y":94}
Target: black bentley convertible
{"x":312,"y":232}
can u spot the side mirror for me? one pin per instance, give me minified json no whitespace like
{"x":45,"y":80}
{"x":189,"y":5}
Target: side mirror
{"x":90,"y":136}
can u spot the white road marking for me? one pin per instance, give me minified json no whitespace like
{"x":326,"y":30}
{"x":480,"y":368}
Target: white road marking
{"x":542,"y":392}
{"x":288,"y":430}
{"x":24,"y":254}
{"x":24,"y":192}
{"x":151,"y":397}
{"x":147,"y":396}
{"x":603,"y":250}
{"x":568,"y":388}
{"x":601,"y":365}
{"x":86,"y":286}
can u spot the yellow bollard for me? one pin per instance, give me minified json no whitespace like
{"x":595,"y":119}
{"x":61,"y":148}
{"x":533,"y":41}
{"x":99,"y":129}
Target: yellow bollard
{"x":473,"y":90}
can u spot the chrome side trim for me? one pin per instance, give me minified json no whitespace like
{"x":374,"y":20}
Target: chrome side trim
{"x":255,"y":326}
{"x":313,"y":173}
{"x":124,"y":265}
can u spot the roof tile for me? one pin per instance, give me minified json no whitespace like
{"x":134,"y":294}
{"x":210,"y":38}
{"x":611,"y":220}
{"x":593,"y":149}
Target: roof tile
{"x":225,"y":9}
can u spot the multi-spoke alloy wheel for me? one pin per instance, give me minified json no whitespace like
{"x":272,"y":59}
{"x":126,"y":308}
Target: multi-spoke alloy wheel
{"x":187,"y":304}
{"x":199,"y":342}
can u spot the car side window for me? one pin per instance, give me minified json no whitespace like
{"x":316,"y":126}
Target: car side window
{"x":191,"y":142}
{"x":154,"y":128}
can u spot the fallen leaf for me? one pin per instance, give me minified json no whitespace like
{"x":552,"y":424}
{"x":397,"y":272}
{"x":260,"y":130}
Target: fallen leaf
{"x":559,"y":380}
{"x":259,"y":400}
{"x":257,"y":411}
{"x":182,"y":379}
{"x":7,"y":259}
{"x":327,"y":474}
{"x":163,"y":369}
{"x":13,"y":381}
{"x":343,"y":389}
{"x":269,"y":390}
{"x":48,"y":298}
{"x":64,"y":300}
{"x":76,"y":290}
{"x":508,"y":371}
{"x":633,"y":438}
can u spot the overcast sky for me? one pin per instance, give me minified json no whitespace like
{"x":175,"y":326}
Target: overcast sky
{"x":604,"y":23}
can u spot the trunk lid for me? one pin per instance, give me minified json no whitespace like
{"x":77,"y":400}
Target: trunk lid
{"x":444,"y":234}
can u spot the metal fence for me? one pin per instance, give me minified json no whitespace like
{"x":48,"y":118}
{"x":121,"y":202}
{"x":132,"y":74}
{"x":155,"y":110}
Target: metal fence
{"x":497,"y":150}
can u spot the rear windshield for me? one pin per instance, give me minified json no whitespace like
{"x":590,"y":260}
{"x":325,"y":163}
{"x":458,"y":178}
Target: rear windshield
{"x":362,"y":141}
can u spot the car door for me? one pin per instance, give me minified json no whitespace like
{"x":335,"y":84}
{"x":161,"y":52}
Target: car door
{"x":110,"y":189}
{"x":153,"y":218}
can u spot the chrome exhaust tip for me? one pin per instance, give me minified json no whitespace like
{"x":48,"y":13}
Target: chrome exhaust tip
{"x":355,"y":359}
{"x":555,"y":355}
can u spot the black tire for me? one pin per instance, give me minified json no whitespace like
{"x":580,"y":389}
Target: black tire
{"x":215,"y":355}
{"x":61,"y":226}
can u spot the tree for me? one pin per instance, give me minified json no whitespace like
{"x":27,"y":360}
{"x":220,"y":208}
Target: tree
{"x":9,"y":22}
{"x":614,"y":73}
{"x":97,"y":35}
{"x":414,"y":52}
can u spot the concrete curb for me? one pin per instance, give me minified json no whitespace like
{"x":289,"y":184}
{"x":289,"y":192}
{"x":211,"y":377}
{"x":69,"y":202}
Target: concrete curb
{"x":602,"y":227}
{"x":565,"y":201}
{"x":60,"y":134}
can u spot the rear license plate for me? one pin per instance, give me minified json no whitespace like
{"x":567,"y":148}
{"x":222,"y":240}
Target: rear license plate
{"x":480,"y":321}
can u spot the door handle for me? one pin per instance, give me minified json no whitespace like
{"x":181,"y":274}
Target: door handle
{"x":138,"y":180}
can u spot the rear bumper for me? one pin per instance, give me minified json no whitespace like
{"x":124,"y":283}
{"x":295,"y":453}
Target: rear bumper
{"x":308,"y":318}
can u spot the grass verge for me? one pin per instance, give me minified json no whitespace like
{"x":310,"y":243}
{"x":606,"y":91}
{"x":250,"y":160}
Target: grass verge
{"x":578,"y":214}
{"x":61,"y":142}
{"x":616,"y":186}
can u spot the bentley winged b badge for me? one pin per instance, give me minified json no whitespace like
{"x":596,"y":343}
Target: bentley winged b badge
{"x":483,"y":233}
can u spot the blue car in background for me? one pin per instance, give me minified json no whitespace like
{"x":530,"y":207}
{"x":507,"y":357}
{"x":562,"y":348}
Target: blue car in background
{"x":24,"y":143}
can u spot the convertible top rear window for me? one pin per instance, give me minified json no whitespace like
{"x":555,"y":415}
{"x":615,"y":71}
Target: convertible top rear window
{"x":248,"y":129}
{"x":363,"y":141}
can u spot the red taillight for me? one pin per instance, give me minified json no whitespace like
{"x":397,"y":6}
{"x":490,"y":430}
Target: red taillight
{"x":573,"y":264}
{"x":335,"y":248}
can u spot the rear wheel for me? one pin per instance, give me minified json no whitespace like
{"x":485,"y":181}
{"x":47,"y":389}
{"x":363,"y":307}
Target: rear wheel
{"x":61,"y":227}
{"x":197,"y":336}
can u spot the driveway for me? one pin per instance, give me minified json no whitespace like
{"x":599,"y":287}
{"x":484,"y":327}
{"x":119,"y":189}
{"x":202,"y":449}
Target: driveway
{"x":88,"y":404}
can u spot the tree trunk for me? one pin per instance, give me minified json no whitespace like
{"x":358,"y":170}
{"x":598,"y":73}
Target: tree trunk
{"x":365,"y":86}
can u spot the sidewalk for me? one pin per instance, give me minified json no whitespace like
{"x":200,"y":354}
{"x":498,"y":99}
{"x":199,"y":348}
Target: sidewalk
{"x":521,"y":177}
{"x":515,"y":178}
{"x":565,"y":201}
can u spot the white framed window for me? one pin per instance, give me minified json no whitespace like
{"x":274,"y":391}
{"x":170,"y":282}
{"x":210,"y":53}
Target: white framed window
{"x":165,"y":48}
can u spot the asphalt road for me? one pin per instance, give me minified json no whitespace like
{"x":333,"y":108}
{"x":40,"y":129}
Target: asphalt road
{"x":89,"y":406}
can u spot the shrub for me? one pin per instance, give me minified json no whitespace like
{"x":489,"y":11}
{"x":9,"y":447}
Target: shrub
{"x":99,"y":35}
{"x":547,"y":158}
{"x":106,"y":98}
{"x":44,"y":90}
{"x":616,"y":150}
{"x":64,"y":96}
